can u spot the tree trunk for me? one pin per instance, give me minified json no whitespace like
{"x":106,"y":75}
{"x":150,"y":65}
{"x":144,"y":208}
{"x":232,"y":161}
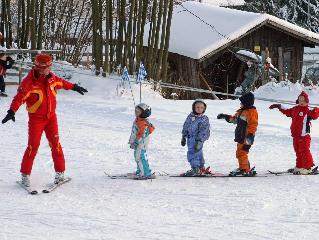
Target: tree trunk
{"x":166,"y":46}
{"x":160,"y":57}
{"x":139,"y":26}
{"x":128,"y":38}
{"x":151,"y":37}
{"x":119,"y":45}
{"x":158,"y":25}
{"x":32,"y":25}
{"x":141,"y":36}
{"x":107,"y":39}
{"x":8,"y":25}
{"x":3,"y":10}
{"x":27,"y":25}
{"x":111,"y":35}
{"x":41,"y":22}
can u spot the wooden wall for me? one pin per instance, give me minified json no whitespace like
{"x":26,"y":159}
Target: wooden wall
{"x":183,"y":71}
{"x":267,"y":36}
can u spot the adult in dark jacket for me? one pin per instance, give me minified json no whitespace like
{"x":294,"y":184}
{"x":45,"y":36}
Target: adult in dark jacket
{"x":6,"y":62}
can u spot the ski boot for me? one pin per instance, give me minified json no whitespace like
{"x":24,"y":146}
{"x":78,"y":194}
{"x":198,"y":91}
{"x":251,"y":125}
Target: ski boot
{"x":252,"y":172}
{"x":2,"y":94}
{"x":302,"y":171}
{"x":25,"y":180}
{"x":315,"y":170}
{"x":193,"y":172}
{"x":243,"y":172}
{"x":59,"y":177}
{"x":292,"y":170}
{"x":205,"y":171}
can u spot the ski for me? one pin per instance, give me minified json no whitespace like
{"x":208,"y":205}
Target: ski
{"x":278,"y":172}
{"x":252,"y":173}
{"x":218,"y":175}
{"x":54,"y":186}
{"x":314,"y":171}
{"x":30,"y":190}
{"x":130,"y":176}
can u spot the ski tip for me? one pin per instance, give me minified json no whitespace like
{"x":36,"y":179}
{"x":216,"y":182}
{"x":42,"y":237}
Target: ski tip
{"x":45,"y":191}
{"x":35,"y":192}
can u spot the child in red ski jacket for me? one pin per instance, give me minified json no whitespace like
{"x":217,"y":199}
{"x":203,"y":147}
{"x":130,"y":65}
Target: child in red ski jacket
{"x":301,"y":116}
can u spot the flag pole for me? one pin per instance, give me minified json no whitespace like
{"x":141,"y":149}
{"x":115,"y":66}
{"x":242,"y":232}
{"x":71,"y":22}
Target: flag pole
{"x":140,"y":91}
{"x":140,"y":77}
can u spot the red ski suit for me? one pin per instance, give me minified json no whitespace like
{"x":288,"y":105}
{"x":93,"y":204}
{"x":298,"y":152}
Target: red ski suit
{"x":300,"y":131}
{"x":39,"y":93}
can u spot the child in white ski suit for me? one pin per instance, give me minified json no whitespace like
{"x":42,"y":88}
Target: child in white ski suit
{"x":139,"y":139}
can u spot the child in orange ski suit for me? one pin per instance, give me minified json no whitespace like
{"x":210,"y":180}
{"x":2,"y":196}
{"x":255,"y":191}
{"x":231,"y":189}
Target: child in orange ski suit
{"x":246,"y":119}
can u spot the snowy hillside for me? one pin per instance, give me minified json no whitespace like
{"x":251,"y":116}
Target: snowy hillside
{"x":94,"y":131}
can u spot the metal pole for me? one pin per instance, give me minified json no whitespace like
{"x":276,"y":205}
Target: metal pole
{"x":140,"y":91}
{"x":227,"y":87}
{"x":20,"y":72}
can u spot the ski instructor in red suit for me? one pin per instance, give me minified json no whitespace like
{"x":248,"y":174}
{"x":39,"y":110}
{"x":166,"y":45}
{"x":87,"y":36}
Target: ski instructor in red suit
{"x":38,"y":90}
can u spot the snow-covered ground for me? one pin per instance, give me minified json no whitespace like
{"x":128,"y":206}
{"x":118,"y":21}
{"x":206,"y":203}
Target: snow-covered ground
{"x":94,"y":131}
{"x":224,"y":2}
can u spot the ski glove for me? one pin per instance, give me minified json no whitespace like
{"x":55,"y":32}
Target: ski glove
{"x":250,"y":139}
{"x":275,"y":106}
{"x":79,"y":89}
{"x":183,"y":141}
{"x":198,"y":145}
{"x":9,"y":116}
{"x":246,"y":147}
{"x":11,"y":62}
{"x":224,"y":116}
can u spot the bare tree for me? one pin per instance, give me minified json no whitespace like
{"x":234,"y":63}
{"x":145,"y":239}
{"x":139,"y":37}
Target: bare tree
{"x":166,"y":45}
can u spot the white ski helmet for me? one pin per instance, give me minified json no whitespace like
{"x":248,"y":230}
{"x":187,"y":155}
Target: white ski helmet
{"x":198,"y":100}
{"x":146,"y":110}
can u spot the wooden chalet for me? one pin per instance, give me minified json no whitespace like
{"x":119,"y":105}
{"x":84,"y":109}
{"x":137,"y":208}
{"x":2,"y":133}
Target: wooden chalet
{"x":204,"y":39}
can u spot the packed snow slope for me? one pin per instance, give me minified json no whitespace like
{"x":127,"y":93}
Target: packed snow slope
{"x":94,"y":131}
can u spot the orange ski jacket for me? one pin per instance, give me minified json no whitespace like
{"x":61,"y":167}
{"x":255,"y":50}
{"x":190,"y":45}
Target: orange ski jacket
{"x":247,"y":122}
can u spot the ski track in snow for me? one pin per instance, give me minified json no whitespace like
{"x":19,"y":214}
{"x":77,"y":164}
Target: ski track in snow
{"x":94,"y":131}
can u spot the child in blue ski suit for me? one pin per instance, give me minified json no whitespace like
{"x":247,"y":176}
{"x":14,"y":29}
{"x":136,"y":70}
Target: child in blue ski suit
{"x":196,"y":130}
{"x":139,"y":139}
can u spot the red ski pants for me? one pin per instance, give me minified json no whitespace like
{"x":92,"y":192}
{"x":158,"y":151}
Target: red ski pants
{"x":38,"y":124}
{"x":302,"y":148}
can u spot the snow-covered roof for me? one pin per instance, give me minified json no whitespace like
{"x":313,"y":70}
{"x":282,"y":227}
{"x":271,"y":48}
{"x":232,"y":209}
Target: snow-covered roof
{"x":219,"y":27}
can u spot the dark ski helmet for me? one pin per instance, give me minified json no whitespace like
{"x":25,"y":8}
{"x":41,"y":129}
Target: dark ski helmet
{"x":198,"y":101}
{"x":146,"y":110}
{"x":247,"y":99}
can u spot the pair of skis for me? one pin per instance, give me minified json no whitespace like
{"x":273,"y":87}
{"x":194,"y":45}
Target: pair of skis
{"x":48,"y":189}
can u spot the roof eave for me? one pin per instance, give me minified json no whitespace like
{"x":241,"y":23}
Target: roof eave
{"x":232,"y":41}
{"x":297,"y":34}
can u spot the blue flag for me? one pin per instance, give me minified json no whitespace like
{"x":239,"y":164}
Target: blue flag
{"x":125,"y":75}
{"x":141,"y":73}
